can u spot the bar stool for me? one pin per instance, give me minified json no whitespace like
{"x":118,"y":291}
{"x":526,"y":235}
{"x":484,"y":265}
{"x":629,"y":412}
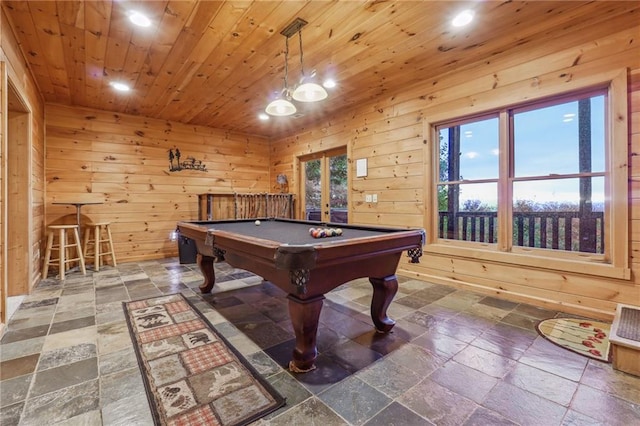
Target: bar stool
{"x":62,"y":247}
{"x":96,"y":235}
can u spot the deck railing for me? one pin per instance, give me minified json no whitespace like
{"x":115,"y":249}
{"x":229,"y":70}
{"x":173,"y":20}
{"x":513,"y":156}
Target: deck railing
{"x":568,"y":230}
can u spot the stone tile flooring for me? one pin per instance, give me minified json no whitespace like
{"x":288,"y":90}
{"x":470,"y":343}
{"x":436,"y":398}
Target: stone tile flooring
{"x":454,"y":357}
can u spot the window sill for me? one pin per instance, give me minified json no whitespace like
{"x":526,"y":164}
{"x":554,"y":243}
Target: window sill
{"x":561,"y":262}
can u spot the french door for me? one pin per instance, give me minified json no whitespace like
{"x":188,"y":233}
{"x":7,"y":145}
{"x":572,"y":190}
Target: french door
{"x":325,"y":191}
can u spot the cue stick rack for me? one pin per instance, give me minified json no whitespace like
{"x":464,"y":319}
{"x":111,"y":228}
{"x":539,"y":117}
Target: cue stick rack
{"x":214,"y":206}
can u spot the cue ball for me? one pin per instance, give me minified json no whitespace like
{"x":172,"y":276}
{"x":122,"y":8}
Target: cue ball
{"x":257,"y":222}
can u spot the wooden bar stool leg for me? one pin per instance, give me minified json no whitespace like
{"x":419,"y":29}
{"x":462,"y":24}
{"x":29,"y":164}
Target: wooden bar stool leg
{"x":85,"y":244}
{"x":110,"y":243}
{"x":62,"y":239}
{"x":76,"y":236}
{"x":97,"y":260}
{"x":47,"y":255}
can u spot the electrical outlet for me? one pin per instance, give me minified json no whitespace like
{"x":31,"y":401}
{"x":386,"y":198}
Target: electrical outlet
{"x":367,"y":198}
{"x":374,"y":198}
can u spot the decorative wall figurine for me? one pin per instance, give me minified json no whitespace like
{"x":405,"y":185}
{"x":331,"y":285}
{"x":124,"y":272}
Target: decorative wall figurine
{"x":175,"y":165}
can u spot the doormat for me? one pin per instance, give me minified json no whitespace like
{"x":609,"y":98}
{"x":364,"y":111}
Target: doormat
{"x":191,"y":373}
{"x":585,"y":337}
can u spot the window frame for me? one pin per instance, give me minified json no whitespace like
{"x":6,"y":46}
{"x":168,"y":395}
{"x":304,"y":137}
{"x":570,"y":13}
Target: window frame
{"x":614,"y":263}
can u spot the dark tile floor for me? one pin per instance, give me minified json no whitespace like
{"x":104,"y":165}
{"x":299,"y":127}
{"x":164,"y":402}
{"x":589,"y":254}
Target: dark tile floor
{"x":454,"y":357}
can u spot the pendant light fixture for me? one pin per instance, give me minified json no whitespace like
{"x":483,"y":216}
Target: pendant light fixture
{"x":282,"y":106}
{"x":307,"y":90}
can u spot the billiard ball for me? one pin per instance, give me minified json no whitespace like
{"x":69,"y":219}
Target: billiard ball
{"x":257,"y":223}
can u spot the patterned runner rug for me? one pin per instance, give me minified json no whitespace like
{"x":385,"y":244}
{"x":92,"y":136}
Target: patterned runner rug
{"x":191,"y":373}
{"x":585,"y":337}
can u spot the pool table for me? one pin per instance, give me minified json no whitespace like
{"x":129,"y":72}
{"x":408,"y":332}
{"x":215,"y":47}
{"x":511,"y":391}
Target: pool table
{"x":283,"y":251}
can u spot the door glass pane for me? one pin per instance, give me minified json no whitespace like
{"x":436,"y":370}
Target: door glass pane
{"x":312,"y":189}
{"x":338,"y":188}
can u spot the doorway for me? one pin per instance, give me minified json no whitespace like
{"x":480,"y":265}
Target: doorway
{"x":325,"y":191}
{"x":18,"y":195}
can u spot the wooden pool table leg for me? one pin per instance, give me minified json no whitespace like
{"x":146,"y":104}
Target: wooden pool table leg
{"x":304,"y":315}
{"x":206,"y":267}
{"x":384,"y":289}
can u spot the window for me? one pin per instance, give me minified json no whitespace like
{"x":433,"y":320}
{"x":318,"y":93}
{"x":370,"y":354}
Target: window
{"x":468,"y":186}
{"x":536,"y":180}
{"x":558,"y":174}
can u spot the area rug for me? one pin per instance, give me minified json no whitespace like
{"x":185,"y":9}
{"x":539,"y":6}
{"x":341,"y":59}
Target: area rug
{"x":585,"y":337}
{"x":192,"y":375}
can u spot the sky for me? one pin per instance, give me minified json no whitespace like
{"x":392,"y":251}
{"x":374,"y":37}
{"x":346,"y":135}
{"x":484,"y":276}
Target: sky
{"x":546,"y":143}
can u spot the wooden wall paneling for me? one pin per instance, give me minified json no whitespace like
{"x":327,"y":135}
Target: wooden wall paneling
{"x":372,"y":138}
{"x":400,"y":207}
{"x":385,"y":154}
{"x":383,"y":158}
{"x":123,"y":161}
{"x":3,"y":193}
{"x":388,"y":219}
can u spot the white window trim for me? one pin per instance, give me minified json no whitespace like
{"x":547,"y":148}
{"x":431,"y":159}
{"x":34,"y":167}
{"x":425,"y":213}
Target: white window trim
{"x":615,"y":262}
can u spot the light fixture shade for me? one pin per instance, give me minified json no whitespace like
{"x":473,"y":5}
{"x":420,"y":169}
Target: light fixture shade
{"x":280,"y":108}
{"x":309,"y":92}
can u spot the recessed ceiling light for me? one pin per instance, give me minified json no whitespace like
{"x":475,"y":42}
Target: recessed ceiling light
{"x":120,"y":87}
{"x":262,"y":116}
{"x":463,"y":18}
{"x":139,"y":19}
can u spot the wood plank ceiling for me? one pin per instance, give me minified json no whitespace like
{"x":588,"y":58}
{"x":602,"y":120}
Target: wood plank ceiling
{"x":218,"y":64}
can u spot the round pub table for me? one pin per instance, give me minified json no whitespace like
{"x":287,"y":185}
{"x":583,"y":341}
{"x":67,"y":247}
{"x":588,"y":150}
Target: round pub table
{"x":78,"y":205}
